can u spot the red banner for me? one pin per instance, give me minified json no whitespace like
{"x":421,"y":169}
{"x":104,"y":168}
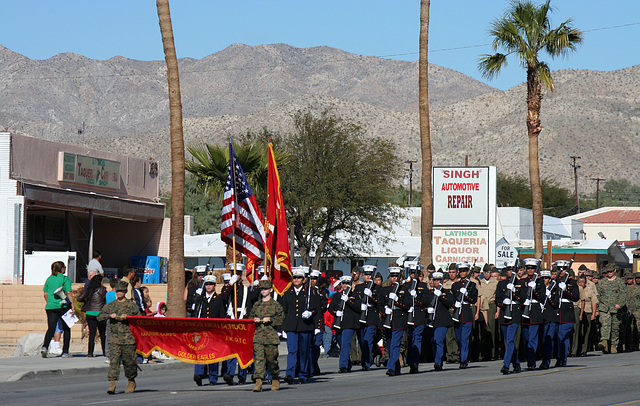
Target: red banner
{"x":197,"y":341}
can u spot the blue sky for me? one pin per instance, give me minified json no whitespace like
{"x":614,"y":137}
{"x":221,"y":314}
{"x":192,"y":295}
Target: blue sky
{"x":458,"y":32}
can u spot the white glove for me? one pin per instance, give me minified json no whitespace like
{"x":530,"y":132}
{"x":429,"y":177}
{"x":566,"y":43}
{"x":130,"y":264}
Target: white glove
{"x":279,"y":334}
{"x":411,"y":309}
{"x":193,"y":306}
{"x":562,"y":285}
{"x":264,"y":278}
{"x":511,"y":287}
{"x":393,"y":297}
{"x":527,"y":302}
{"x":431,"y":310}
{"x":387,"y":310}
{"x":338,"y":313}
{"x":367,"y":292}
{"x":531,"y":284}
{"x":256,"y":282}
{"x":506,"y":301}
{"x":233,"y":279}
{"x":363,"y":307}
{"x":344,"y":297}
{"x":199,"y":291}
{"x":413,"y":292}
{"x":548,"y":293}
{"x":458,"y":304}
{"x":316,"y":332}
{"x":284,"y":335}
{"x":463,"y":290}
{"x":306,"y":314}
{"x":437,"y":292}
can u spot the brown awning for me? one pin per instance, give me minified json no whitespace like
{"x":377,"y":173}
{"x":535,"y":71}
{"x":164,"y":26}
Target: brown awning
{"x":100,"y":204}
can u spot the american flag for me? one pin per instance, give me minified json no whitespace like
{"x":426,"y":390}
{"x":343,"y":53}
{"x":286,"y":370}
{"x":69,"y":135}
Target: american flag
{"x":241,"y":215}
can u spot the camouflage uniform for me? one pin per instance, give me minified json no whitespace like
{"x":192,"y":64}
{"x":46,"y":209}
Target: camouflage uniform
{"x":633,"y":305}
{"x":610,"y":294}
{"x":121,"y":341}
{"x":265,"y":339}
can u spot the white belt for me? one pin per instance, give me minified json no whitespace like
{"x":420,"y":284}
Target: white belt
{"x":566,"y":301}
{"x":398,"y":308}
{"x":534,"y":301}
{"x":515,"y":303}
{"x":465,"y":302}
{"x":369,"y":305}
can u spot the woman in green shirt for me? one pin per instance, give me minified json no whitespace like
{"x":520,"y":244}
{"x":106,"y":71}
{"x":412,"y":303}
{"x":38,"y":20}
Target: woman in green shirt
{"x":55,"y":307}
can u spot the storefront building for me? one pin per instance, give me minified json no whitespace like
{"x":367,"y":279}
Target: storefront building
{"x":61,"y":202}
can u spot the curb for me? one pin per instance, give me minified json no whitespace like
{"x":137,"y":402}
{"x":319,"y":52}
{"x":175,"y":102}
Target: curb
{"x":30,"y":375}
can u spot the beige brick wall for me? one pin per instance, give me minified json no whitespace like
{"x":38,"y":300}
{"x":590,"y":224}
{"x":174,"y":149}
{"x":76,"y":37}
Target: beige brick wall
{"x":22,"y":310}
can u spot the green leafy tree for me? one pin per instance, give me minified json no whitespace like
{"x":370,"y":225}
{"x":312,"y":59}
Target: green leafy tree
{"x":515,"y":191}
{"x":336,"y":181}
{"x":525,"y":30}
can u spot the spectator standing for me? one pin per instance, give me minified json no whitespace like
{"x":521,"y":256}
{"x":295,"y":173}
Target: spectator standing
{"x":129,"y":273}
{"x":56,"y":306}
{"x":94,"y":298}
{"x":94,"y":267}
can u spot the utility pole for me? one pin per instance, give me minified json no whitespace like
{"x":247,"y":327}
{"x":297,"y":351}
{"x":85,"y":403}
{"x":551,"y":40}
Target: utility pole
{"x":597,"y":191}
{"x":410,"y":170}
{"x":575,"y":167}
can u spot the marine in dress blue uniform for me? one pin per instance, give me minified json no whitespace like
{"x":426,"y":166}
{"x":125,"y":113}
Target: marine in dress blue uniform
{"x":465,"y":293}
{"x":345,"y":305}
{"x":300,"y":310}
{"x":568,"y":293}
{"x":243,"y":301}
{"x":509,"y":299}
{"x":208,"y":304}
{"x":531,"y":326}
{"x":397,"y":305}
{"x":438,"y":302}
{"x":368,"y":293}
{"x":415,"y":330}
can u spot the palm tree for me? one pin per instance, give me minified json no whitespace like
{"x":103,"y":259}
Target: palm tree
{"x":175,"y":287}
{"x":426,"y":222}
{"x":525,"y":30}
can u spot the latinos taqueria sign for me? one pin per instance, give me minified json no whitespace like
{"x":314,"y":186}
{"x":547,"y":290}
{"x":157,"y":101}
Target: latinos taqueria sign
{"x":86,"y":170}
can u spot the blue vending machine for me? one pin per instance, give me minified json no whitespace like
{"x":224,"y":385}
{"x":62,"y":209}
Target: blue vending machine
{"x":150,"y":269}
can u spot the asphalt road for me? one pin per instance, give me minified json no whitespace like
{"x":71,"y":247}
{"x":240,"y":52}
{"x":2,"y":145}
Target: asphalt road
{"x":594,"y":380}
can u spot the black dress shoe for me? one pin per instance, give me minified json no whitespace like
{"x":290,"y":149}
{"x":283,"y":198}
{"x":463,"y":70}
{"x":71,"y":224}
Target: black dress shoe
{"x":228,"y":379}
{"x":505,"y":370}
{"x":197,"y":379}
{"x":437,"y":367}
{"x":288,"y":379}
{"x":464,"y":365}
{"x":391,"y":372}
{"x":302,"y":381}
{"x":366,"y":368}
{"x":241,"y":380}
{"x":543,"y":366}
{"x":343,"y":370}
{"x":531,"y":368}
{"x":517,"y":369}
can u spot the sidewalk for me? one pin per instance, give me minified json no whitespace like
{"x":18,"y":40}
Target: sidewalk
{"x":23,"y":368}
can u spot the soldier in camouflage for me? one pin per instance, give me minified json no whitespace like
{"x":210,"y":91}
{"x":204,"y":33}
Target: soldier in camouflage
{"x":633,"y":305}
{"x":122,"y":345}
{"x":267,"y":314}
{"x":612,"y":295}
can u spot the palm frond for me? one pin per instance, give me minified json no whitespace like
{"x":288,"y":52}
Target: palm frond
{"x":490,"y":65}
{"x":544,"y":76}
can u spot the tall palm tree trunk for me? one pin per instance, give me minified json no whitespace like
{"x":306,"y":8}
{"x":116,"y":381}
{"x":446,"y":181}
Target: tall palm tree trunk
{"x":426,"y":223}
{"x":175,"y":303}
{"x":534,"y":101}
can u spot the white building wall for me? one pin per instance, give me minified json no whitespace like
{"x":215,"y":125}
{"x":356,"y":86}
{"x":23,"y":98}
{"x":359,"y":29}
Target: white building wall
{"x":11,"y":218}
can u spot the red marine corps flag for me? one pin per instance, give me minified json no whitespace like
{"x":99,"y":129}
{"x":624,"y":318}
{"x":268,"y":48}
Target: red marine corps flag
{"x":242,"y":221}
{"x":277,"y":249}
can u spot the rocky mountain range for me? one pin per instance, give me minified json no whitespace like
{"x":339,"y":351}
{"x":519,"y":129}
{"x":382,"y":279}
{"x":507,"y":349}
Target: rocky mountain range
{"x":123,"y":105}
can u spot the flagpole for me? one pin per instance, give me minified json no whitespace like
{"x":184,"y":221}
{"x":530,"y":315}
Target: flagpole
{"x":267,"y":252}
{"x":233,"y":233}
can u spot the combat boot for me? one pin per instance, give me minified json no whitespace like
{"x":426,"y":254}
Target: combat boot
{"x":112,"y":387}
{"x":131,"y":386}
{"x":614,"y":349}
{"x":258,"y":386}
{"x":603,"y":346}
{"x":275,"y":384}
